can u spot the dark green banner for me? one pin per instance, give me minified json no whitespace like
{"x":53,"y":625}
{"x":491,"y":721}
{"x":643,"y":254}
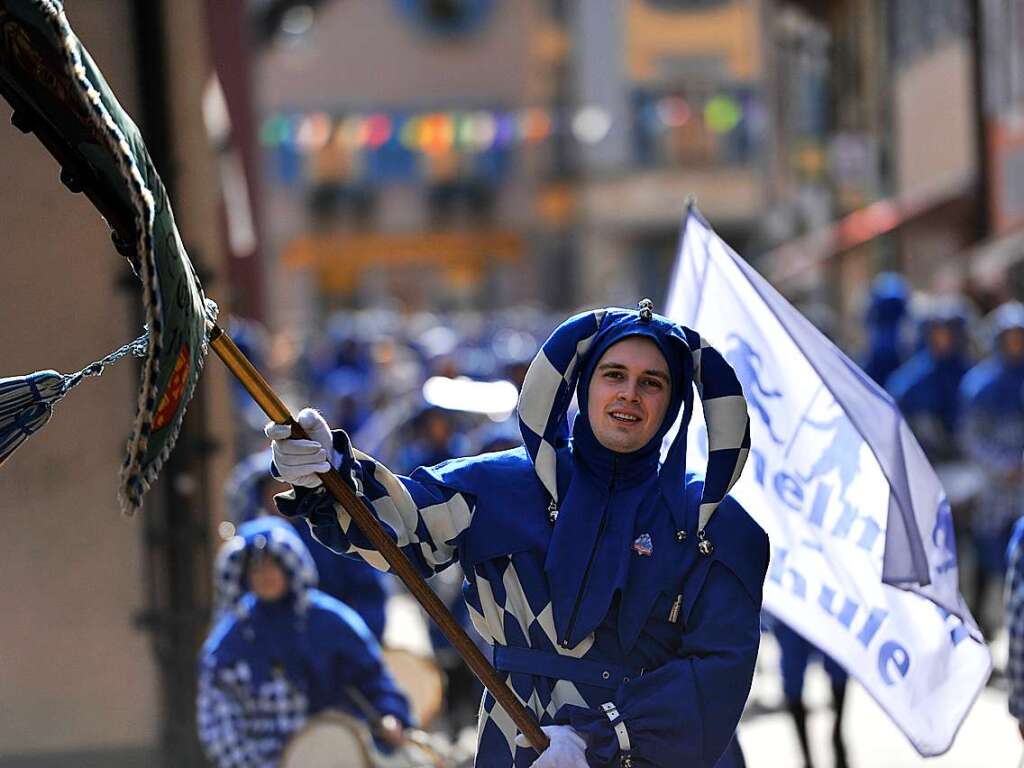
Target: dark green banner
{"x":60,"y":95}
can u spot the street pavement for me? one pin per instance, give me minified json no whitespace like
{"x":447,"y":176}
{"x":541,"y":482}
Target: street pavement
{"x":988,"y":737}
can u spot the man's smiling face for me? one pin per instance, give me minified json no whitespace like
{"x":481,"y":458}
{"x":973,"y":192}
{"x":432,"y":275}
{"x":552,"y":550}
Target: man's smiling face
{"x":628,"y":394}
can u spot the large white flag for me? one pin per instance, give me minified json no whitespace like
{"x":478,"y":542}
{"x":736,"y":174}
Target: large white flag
{"x":844,"y":491}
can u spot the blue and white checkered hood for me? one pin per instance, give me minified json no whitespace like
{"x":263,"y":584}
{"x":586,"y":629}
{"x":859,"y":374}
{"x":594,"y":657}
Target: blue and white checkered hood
{"x":555,"y":371}
{"x":276,"y":537}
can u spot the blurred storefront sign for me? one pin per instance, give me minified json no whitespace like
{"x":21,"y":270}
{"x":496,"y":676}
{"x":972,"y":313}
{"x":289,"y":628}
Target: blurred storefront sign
{"x":651,"y":199}
{"x":341,"y":260}
{"x":555,"y":204}
{"x":853,"y":162}
{"x":1006,"y":181}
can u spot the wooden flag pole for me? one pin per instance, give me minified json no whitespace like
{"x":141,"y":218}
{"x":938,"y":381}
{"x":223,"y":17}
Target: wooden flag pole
{"x":278,"y":412}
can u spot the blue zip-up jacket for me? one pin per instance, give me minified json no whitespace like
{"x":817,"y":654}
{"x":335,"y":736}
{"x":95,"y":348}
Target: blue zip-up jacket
{"x":927,"y":390}
{"x":674,"y":656}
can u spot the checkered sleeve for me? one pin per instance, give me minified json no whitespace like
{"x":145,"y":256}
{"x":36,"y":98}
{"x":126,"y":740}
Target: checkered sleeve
{"x":221,"y":722}
{"x":422,"y":515}
{"x":1014,"y":599}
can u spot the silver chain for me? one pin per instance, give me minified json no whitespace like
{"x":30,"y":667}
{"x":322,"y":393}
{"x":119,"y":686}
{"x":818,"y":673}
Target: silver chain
{"x":136,"y":348}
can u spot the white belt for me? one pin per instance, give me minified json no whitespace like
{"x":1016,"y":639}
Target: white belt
{"x":612,"y":712}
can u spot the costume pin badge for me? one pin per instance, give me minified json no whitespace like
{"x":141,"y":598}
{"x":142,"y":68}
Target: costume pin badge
{"x":643,"y":545}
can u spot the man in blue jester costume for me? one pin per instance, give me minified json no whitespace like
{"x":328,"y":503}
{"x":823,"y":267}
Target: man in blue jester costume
{"x":281,"y":651}
{"x":620,"y":596}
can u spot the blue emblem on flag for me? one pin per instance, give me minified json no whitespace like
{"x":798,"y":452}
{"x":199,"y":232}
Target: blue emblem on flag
{"x":643,"y":545}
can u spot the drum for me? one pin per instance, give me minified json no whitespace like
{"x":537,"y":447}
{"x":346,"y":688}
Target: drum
{"x":330,"y":740}
{"x":336,"y":740}
{"x":420,"y":680}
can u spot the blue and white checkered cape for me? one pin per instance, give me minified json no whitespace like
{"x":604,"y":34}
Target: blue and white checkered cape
{"x":676,"y":695}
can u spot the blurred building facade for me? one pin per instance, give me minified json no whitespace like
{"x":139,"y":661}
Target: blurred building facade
{"x":381,"y":186}
{"x":901,"y":165}
{"x":485,"y":153}
{"x":490,"y":153}
{"x":103,"y":615}
{"x":479,"y":153}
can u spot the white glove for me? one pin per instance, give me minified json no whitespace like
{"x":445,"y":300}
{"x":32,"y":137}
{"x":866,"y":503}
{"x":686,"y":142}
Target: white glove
{"x":566,"y":750}
{"x":298,"y":461}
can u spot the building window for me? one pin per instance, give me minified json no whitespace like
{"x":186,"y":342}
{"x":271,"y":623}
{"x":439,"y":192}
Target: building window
{"x":918,"y":28}
{"x":697,"y":126}
{"x":447,"y":18}
{"x":686,"y":5}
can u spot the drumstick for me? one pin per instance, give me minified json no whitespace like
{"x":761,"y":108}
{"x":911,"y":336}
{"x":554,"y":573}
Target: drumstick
{"x":373,"y":717}
{"x":364,"y":705}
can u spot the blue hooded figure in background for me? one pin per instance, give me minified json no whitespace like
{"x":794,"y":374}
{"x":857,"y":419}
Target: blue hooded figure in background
{"x":992,"y":432}
{"x":886,"y":313}
{"x":281,"y":651}
{"x":621,"y":597}
{"x":927,"y":387}
{"x":250,"y":495}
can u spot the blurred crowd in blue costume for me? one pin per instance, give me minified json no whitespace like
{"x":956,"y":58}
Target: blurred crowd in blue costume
{"x":958,"y":379}
{"x":412,"y":390}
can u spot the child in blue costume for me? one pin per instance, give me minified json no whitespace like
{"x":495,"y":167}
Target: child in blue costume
{"x":250,"y":493}
{"x":281,"y":651}
{"x":621,"y":598}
